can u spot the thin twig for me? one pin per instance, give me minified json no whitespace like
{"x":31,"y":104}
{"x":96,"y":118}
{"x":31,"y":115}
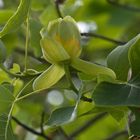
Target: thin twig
{"x":42,"y":122}
{"x":117,"y":134}
{"x":103,"y":37}
{"x":72,"y":86}
{"x":27,"y":42}
{"x":126,"y":7}
{"x":57,"y":5}
{"x":30,"y":129}
{"x":87,"y":125}
{"x":86,"y":99}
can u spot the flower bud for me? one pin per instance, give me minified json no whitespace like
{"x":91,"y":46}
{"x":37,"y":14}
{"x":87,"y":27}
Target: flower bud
{"x":62,"y":36}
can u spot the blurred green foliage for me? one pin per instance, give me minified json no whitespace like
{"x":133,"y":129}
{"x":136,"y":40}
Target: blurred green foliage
{"x":99,"y":17}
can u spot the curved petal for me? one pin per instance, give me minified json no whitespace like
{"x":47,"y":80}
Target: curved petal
{"x":49,"y":77}
{"x":91,"y":68}
{"x":53,"y":52}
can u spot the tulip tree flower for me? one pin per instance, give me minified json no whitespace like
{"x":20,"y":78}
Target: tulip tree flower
{"x":61,"y":44}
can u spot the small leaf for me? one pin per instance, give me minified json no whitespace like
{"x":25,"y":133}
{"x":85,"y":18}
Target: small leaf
{"x":61,"y":116}
{"x":49,"y":77}
{"x":15,"y":69}
{"x":6,"y":99}
{"x":91,"y":69}
{"x":17,"y":19}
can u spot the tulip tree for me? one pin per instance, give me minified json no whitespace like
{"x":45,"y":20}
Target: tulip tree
{"x":54,"y":77}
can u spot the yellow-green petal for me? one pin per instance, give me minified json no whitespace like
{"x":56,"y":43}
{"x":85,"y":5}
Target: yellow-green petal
{"x":91,"y":68}
{"x":49,"y":77}
{"x":69,"y":36}
{"x":53,"y":52}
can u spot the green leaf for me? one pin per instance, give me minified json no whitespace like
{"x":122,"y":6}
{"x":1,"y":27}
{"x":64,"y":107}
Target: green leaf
{"x":49,"y":77}
{"x":61,"y":116}
{"x":3,"y":123}
{"x":122,"y":57}
{"x":17,"y":19}
{"x":64,"y":115}
{"x":91,"y":69}
{"x":6,"y":99}
{"x":2,"y":52}
{"x":118,"y":94}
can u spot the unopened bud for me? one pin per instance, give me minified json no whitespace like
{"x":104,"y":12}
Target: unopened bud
{"x":61,"y":41}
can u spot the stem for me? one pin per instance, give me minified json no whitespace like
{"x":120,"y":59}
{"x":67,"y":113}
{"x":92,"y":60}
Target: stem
{"x":117,"y":134}
{"x":27,"y":42}
{"x":68,"y":75}
{"x":104,"y":38}
{"x":21,"y":75}
{"x":12,"y":107}
{"x":42,"y":122}
{"x":29,"y":94}
{"x":30,"y":129}
{"x":72,"y":86}
{"x":57,"y":5}
{"x":8,"y":120}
